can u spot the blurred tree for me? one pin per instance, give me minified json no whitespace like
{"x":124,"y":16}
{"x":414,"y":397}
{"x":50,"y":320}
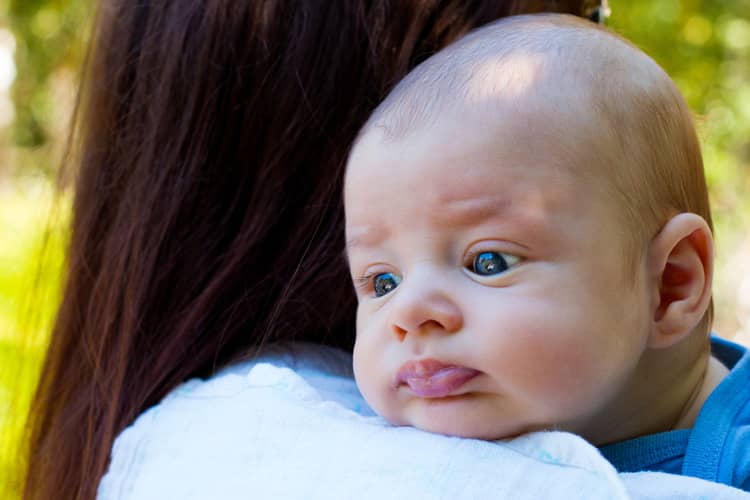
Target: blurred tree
{"x":49,"y":48}
{"x":705,"y":46}
{"x":48,"y":40}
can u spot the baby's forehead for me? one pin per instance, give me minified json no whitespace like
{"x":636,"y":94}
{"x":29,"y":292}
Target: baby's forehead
{"x":460,"y":154}
{"x":444,"y":179}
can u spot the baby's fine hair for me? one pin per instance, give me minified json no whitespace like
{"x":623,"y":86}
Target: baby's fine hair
{"x":643,"y":138}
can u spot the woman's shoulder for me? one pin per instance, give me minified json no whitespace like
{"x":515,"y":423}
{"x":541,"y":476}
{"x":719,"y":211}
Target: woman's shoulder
{"x":225,"y":414}
{"x":307,"y":370}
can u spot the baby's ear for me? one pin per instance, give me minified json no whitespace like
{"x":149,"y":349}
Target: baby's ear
{"x":681,"y":261}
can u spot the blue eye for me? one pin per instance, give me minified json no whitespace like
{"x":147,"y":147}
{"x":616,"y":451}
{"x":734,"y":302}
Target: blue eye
{"x":489,"y":263}
{"x":385,"y":283}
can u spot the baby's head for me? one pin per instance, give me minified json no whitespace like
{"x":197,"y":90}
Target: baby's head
{"x":529,"y":233}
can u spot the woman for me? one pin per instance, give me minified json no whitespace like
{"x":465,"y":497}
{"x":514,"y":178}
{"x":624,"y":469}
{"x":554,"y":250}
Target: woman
{"x":207,"y":218}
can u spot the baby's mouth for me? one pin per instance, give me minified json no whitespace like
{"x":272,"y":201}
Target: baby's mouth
{"x":430,"y":378}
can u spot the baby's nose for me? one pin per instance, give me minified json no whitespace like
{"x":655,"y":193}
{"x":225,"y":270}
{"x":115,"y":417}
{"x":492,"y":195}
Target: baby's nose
{"x":422,"y":309}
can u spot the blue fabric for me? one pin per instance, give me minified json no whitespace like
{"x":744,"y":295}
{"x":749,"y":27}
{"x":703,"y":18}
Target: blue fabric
{"x":717,"y":448}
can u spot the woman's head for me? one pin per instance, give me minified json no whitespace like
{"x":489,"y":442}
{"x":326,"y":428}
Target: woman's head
{"x":207,"y":217}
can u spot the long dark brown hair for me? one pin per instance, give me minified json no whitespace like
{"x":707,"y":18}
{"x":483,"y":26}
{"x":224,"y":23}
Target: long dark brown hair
{"x":207,"y":217}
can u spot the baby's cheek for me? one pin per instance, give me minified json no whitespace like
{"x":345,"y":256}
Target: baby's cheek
{"x":362,"y":365}
{"x":370,"y":372}
{"x":552,"y":370}
{"x":364,"y":353}
{"x":581,"y":379}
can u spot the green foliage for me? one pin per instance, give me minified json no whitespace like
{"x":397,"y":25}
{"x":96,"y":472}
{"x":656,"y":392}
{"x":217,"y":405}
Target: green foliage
{"x":48,"y":37}
{"x":49,"y":43}
{"x":704,"y":45}
{"x":30,"y":272}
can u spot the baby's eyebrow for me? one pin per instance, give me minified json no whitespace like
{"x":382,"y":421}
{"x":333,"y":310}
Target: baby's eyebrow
{"x":365,"y":236}
{"x":475,"y":210}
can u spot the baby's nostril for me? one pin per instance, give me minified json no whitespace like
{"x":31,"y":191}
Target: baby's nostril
{"x":399,"y":332}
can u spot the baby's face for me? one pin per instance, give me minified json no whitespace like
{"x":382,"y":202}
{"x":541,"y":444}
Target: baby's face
{"x":494,"y":296}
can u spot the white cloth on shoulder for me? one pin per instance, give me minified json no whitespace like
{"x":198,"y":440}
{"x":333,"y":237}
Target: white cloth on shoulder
{"x":292,"y":425}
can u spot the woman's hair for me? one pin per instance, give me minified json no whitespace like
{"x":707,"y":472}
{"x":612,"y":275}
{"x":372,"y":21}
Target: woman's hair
{"x":207,"y":219}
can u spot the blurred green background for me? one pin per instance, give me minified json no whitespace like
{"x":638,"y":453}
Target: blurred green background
{"x":703,"y":45}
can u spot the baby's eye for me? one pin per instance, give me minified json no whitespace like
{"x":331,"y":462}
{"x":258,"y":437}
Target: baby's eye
{"x":489,"y":263}
{"x":384,"y":283}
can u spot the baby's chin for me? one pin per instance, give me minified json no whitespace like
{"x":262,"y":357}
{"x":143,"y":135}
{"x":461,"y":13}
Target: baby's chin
{"x":456,"y":429}
{"x":464,"y":416}
{"x":464,"y":427}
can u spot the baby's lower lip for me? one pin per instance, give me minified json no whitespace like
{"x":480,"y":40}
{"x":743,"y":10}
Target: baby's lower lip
{"x":433,"y":379}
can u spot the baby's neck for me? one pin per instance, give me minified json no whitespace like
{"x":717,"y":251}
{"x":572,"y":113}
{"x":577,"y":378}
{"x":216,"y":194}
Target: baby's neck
{"x":713,"y":375}
{"x":667,"y":393}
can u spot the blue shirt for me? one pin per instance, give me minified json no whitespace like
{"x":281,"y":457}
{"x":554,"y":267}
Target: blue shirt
{"x":717,"y":448}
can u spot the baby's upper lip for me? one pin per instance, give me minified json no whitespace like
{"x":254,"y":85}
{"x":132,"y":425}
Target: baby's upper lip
{"x":431,"y":378}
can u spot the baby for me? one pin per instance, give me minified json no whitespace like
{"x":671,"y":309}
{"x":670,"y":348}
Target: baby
{"x":529,"y":234}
